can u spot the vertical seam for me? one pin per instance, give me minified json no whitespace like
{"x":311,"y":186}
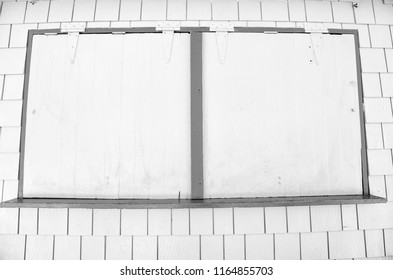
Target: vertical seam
{"x":342,"y":217}
{"x":233,"y":220}
{"x":331,"y":10}
{"x":132,"y":247}
{"x":121,"y":211}
{"x":328,"y":244}
{"x":260,"y":9}
{"x":286,"y":218}
{"x":95,"y":10}
{"x":18,"y":228}
{"x":166,"y":9}
{"x":357,"y":217}
{"x":375,"y":19}
{"x":289,"y":15}
{"x":223,"y":247}
{"x":245,"y":245}
{"x":309,"y":210}
{"x":305,"y":10}
{"x":105,"y":247}
{"x":9,"y":44}
{"x":73,"y":9}
{"x":384,"y":242}
{"x":300,"y":246}
{"x":24,"y":16}
{"x":24,"y":252}
{"x":147,"y":221}
{"x":264,"y":219}
{"x":211,"y":9}
{"x":213,"y":221}
{"x":200,"y":247}
{"x":38,"y":219}
{"x":68,"y":221}
{"x":53,"y":249}
{"x":157,"y":247}
{"x":49,"y":6}
{"x":140,"y":10}
{"x":171,"y":229}
{"x":80,"y":247}
{"x":92,"y":221}
{"x":238,"y":9}
{"x":119,"y":10}
{"x":386,"y":187}
{"x":274,"y":246}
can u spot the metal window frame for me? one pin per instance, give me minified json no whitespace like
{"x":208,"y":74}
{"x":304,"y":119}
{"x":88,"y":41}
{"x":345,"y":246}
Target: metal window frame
{"x":197,"y":198}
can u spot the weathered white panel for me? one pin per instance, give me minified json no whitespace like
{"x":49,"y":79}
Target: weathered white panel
{"x":234,"y":247}
{"x":380,"y":36}
{"x":249,"y":220}
{"x":9,"y":220}
{"x":52,"y":221}
{"x":199,"y":10}
{"x":10,"y":113}
{"x":388,"y":241}
{"x":298,"y":219}
{"x":144,"y":248}
{"x":388,"y":135}
{"x":343,"y":12}
{"x":374,"y":243}
{"x":314,"y":150}
{"x":107,"y":10}
{"x":349,"y":217}
{"x":274,"y":10}
{"x":60,"y":11}
{"x":10,"y":189}
{"x":28,"y":221}
{"x":364,"y":12}
{"x":212,"y":247}
{"x":259,"y":247}
{"x":249,"y":10}
{"x":118,"y":248}
{"x":180,"y":221}
{"x":346,"y":244}
{"x":224,"y":9}
{"x":108,"y":148}
{"x":9,"y":166}
{"x":19,"y":34}
{"x":50,"y":25}
{"x":37,"y":12}
{"x":389,"y":188}
{"x":373,"y":60}
{"x":4,"y":35}
{"x":178,"y":248}
{"x":201,"y":221}
{"x":93,"y":248}
{"x":287,"y":246}
{"x":380,"y":162}
{"x":387,"y":85}
{"x":375,"y":216}
{"x":275,"y":219}
{"x":325,"y":218}
{"x":177,"y":10}
{"x":12,"y":12}
{"x":84,"y":10}
{"x":371,"y":85}
{"x":314,"y":246}
{"x":364,"y":38}
{"x":383,"y":13}
{"x":130,"y":10}
{"x":374,"y":136}
{"x":106,"y":222}
{"x":13,"y":87}
{"x":67,"y":248}
{"x":319,"y":11}
{"x":297,"y":11}
{"x":39,"y":247}
{"x":389,"y":59}
{"x":223,"y":220}
{"x":154,"y":9}
{"x":80,"y":221}
{"x":12,"y":61}
{"x":12,"y":247}
{"x":134,"y":222}
{"x":377,"y":186}
{"x":159,"y":221}
{"x":378,"y":110}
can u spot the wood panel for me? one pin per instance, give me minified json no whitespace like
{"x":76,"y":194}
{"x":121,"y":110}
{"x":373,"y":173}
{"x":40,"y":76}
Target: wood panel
{"x":144,"y":248}
{"x":374,"y":243}
{"x":178,"y":248}
{"x":13,"y":12}
{"x":9,"y":218}
{"x":287,"y":246}
{"x":259,"y":247}
{"x":159,"y":221}
{"x":298,"y":218}
{"x":314,"y":246}
{"x":223,"y":220}
{"x":276,"y":219}
{"x":37,"y":13}
{"x":13,"y":85}
{"x":212,"y":247}
{"x":234,"y":247}
{"x":84,"y":10}
{"x":12,"y":247}
{"x":249,"y":10}
{"x":373,"y":216}
{"x":346,"y":244}
{"x":39,"y":247}
{"x":106,"y":222}
{"x":93,"y":248}
{"x":180,"y":221}
{"x":225,"y":9}
{"x":52,"y":221}
{"x":80,"y":222}
{"x":201,"y":221}
{"x":130,"y":9}
{"x":67,"y":248}
{"x":349,"y":216}
{"x":249,"y":220}
{"x":118,"y":248}
{"x":325,"y":218}
{"x":133,"y":222}
{"x":28,"y":221}
{"x":177,"y":10}
{"x":107,"y":10}
{"x":61,"y":11}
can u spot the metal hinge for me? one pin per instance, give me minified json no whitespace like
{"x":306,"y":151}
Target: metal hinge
{"x":313,"y":27}
{"x":168,"y":29}
{"x":73,"y":27}
{"x":73,"y":30}
{"x":315,"y":46}
{"x":222,"y":29}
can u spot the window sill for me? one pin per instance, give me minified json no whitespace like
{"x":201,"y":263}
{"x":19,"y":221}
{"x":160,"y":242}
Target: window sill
{"x":188,"y":203}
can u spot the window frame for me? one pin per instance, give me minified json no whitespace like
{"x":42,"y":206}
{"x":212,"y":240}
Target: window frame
{"x":196,"y":108}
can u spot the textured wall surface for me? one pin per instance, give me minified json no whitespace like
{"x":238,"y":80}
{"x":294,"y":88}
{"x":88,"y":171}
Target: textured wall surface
{"x":316,"y":232}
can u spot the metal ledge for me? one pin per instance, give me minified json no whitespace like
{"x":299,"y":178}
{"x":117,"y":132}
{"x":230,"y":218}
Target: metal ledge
{"x":190,"y":203}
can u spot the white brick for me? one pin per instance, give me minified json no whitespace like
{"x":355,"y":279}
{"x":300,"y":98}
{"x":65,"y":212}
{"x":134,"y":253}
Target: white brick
{"x":212,"y":247}
{"x":249,"y":220}
{"x":383,"y":13}
{"x":4,"y":35}
{"x":118,"y":248}
{"x":378,"y":110}
{"x":387,"y":85}
{"x":389,"y":59}
{"x":120,"y":24}
{"x":364,"y":12}
{"x":12,"y":61}
{"x":52,"y":221}
{"x":275,"y":219}
{"x":37,"y":12}
{"x":371,"y":85}
{"x":373,"y":60}
{"x":274,"y":10}
{"x":28,"y":221}
{"x":224,"y":9}
{"x":180,"y":222}
{"x":177,"y":10}
{"x":159,"y":221}
{"x":19,"y":34}
{"x":342,"y":12}
{"x":249,"y":10}
{"x":13,"y":12}
{"x":198,"y":9}
{"x":60,"y":11}
{"x":380,"y":162}
{"x":178,"y":247}
{"x":297,"y":11}
{"x":387,"y":129}
{"x":106,"y":222}
{"x":154,"y":10}
{"x":319,"y":11}
{"x":364,"y":37}
{"x":67,"y":248}
{"x":259,"y":247}
{"x":50,"y":25}
{"x":134,"y":222}
{"x":13,"y":87}
{"x":223,"y":220}
{"x":298,"y":219}
{"x":374,"y":243}
{"x":201,"y":221}
{"x":84,"y":10}
{"x":10,"y":190}
{"x":130,"y":10}
{"x":325,"y":218}
{"x":92,"y":248}
{"x":80,"y":221}
{"x":287,"y":246}
{"x":234,"y":247}
{"x":10,"y":113}
{"x":12,"y":247}
{"x":144,"y":248}
{"x":314,"y":246}
{"x":9,"y":220}
{"x":39,"y":247}
{"x":346,"y":244}
{"x":380,"y":36}
{"x":9,"y":166}
{"x":107,"y":10}
{"x":374,"y":136}
{"x":375,"y":216}
{"x":349,"y":216}
{"x":377,"y":186}
{"x":388,"y":242}
{"x":9,"y":139}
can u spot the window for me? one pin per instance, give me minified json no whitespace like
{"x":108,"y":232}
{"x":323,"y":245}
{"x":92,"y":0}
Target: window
{"x":118,"y":116}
